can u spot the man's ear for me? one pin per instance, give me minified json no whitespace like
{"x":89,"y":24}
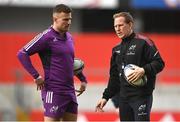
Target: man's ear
{"x":131,"y":25}
{"x":54,"y":17}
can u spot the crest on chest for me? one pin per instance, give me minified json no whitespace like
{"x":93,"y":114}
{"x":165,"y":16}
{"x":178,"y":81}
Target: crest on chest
{"x":131,"y":50}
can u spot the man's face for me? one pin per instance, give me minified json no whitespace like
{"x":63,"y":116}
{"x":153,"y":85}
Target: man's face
{"x":62,"y":21}
{"x":122,"y":28}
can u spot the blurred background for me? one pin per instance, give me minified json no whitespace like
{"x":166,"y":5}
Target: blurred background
{"x":93,"y":32}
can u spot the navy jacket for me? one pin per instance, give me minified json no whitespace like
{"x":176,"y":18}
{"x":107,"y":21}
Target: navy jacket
{"x":141,"y":51}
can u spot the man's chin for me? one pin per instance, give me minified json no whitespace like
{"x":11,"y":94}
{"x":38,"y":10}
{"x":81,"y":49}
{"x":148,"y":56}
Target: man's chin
{"x":121,"y":36}
{"x":65,"y":30}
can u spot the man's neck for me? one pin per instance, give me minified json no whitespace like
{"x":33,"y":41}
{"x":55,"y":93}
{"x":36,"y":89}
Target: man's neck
{"x":62,"y":34}
{"x":131,"y":31}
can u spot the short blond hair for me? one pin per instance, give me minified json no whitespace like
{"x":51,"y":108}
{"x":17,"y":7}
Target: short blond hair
{"x":128,"y":17}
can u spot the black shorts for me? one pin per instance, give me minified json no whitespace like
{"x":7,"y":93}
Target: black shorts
{"x":138,"y":110}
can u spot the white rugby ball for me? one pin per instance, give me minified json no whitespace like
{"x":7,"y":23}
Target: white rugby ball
{"x":78,"y":66}
{"x":128,"y":70}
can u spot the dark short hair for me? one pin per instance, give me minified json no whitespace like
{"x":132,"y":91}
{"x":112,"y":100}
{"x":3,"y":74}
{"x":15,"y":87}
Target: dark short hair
{"x":128,"y":17}
{"x":62,"y":8}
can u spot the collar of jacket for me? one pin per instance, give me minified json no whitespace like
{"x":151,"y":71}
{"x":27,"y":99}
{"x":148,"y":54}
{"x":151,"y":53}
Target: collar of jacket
{"x":129,"y":37}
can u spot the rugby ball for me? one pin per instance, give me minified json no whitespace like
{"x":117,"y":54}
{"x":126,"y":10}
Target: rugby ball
{"x":78,"y":66}
{"x":128,"y":70}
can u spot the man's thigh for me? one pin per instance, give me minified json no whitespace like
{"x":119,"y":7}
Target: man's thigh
{"x":69,"y":117}
{"x":125,"y":112}
{"x":142,"y":109}
{"x":66,"y":117}
{"x":50,"y":119}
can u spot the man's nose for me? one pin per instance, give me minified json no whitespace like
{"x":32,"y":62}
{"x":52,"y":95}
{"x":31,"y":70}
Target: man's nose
{"x":69,"y":22}
{"x":118,"y":29}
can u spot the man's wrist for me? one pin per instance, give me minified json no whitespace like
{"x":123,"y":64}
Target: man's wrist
{"x":143,"y":71}
{"x":105,"y":98}
{"x":39,"y":77}
{"x":84,"y":84}
{"x":81,"y":77}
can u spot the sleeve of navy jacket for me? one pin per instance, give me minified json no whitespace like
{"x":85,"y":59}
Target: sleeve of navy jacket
{"x":153,"y":56}
{"x":114,"y":83}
